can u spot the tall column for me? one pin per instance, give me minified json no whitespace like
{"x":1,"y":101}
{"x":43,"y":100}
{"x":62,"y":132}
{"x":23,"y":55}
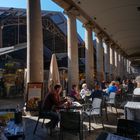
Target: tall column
{"x":125,"y":67}
{"x":99,"y":59}
{"x":111,"y":64}
{"x":0,"y":36}
{"x":115,"y":65}
{"x":89,"y":56}
{"x":122,"y":67}
{"x":34,"y":42}
{"x":129,"y":65}
{"x":119,"y":66}
{"x":73,"y":66}
{"x":107,"y":61}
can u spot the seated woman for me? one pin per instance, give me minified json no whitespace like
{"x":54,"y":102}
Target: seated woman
{"x":85,"y":92}
{"x":74,"y":93}
{"x":112,"y":87}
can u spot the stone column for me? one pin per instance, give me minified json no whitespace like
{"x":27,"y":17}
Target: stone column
{"x":107,"y":61}
{"x":119,"y":65}
{"x":0,"y":36}
{"x":73,"y":65}
{"x":111,"y":64}
{"x":115,"y":65}
{"x":89,"y":56}
{"x":99,"y":59}
{"x":34,"y":42}
{"x":125,"y":67}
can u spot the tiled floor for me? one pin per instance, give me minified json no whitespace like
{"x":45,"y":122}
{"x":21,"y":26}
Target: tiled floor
{"x":41,"y":133}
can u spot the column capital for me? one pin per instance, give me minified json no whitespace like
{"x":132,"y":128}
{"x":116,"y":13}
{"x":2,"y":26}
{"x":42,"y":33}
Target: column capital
{"x":107,"y":41}
{"x":73,"y":11}
{"x":89,"y":25}
{"x":100,"y":35}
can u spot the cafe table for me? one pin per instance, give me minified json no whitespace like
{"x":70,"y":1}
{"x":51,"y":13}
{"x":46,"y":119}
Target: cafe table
{"x":110,"y":136}
{"x":132,"y":110}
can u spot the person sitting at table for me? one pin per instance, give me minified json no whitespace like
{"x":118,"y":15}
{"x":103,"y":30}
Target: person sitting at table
{"x":137,"y":89}
{"x":74,"y":93}
{"x":112,"y":87}
{"x":85,"y":91}
{"x":51,"y":100}
{"x":97,"y":93}
{"x":136,"y":92}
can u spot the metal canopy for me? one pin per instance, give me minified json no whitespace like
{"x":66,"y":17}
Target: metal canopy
{"x":13,"y":21}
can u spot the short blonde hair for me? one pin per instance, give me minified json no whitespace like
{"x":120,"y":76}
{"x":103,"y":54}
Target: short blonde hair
{"x":84,"y":85}
{"x":138,"y":79}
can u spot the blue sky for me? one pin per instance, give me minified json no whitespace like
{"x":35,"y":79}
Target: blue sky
{"x":45,"y":5}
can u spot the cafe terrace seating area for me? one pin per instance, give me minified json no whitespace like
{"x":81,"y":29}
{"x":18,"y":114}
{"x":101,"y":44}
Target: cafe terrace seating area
{"x":98,"y":126}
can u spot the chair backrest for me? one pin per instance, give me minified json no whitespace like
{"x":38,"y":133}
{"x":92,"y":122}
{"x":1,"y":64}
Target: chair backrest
{"x":112,"y":96}
{"x":70,"y":121}
{"x":128,"y":128}
{"x":136,"y":98}
{"x":97,"y":104}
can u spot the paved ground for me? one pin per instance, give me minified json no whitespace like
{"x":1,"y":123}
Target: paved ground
{"x":41,"y":133}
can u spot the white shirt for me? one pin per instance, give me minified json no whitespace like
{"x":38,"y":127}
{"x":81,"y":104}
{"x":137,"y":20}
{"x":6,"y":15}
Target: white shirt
{"x":136,"y":91}
{"x":85,"y":92}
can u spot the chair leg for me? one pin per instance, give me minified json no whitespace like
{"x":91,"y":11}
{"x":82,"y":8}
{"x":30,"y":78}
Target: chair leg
{"x":116,"y":111}
{"x":81,"y":131}
{"x":102,"y":122}
{"x":106,"y":113}
{"x":43,"y":122}
{"x":80,"y":136}
{"x":89,"y":124}
{"x":95,"y":119}
{"x":36,"y":125}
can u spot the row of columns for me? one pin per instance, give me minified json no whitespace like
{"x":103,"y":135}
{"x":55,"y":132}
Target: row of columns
{"x":0,"y":36}
{"x":109,"y":61}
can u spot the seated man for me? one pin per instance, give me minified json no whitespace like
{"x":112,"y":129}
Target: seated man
{"x":51,"y":100}
{"x":97,"y":93}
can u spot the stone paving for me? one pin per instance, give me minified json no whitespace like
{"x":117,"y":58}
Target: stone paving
{"x":41,"y":133}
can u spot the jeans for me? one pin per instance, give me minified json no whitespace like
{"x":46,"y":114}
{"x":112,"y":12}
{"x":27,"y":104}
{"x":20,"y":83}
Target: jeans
{"x":54,"y":117}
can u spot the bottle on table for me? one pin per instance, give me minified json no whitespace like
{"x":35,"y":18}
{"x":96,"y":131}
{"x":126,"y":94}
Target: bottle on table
{"x":18,"y":115}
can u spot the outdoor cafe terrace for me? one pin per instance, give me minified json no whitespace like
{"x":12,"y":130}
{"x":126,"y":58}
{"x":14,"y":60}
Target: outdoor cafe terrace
{"x":30,"y":119}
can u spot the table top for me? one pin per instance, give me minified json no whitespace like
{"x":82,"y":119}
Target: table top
{"x":132,"y":105}
{"x":74,"y":105}
{"x":110,"y":136}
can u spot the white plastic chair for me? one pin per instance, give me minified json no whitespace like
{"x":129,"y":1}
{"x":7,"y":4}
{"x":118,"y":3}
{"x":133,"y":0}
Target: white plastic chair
{"x":112,"y":101}
{"x":94,"y":110}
